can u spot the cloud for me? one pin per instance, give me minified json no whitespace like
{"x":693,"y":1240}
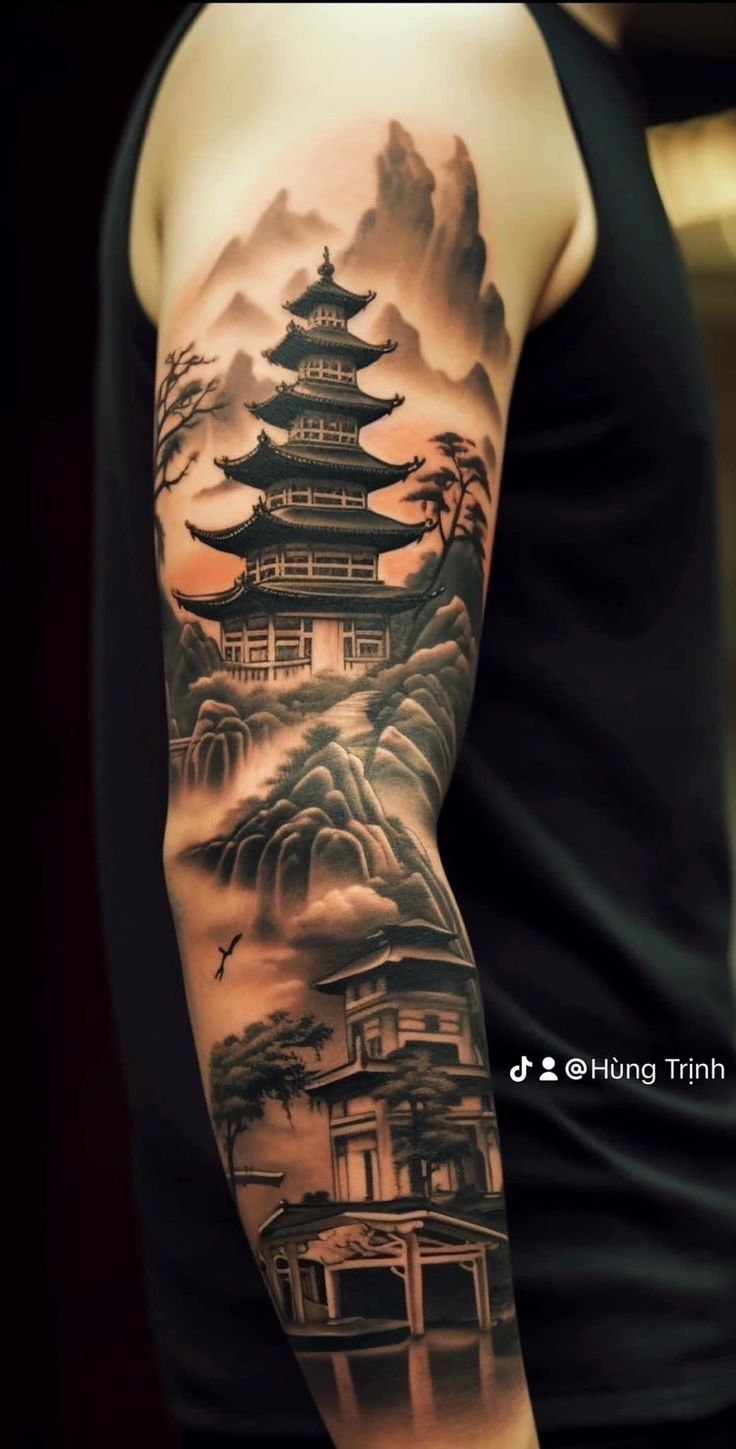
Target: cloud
{"x":342,"y":914}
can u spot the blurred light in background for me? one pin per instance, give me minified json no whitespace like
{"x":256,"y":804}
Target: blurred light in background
{"x":695,"y":166}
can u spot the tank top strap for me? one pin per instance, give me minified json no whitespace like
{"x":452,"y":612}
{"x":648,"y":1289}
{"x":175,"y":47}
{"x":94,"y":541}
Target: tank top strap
{"x":594,"y":77}
{"x":114,"y":236}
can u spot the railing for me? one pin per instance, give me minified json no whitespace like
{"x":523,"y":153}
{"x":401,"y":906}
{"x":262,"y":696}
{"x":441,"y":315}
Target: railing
{"x":263,"y":670}
{"x":266,"y":669}
{"x":359,"y":666}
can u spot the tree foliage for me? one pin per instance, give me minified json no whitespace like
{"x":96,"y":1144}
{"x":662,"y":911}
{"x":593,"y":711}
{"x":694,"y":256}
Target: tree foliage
{"x":264,"y":1064}
{"x":425,"y":1139}
{"x":293,"y":763}
{"x":451,"y":498}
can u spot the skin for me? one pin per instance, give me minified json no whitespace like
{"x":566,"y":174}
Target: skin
{"x":220,"y":144}
{"x":608,"y":22}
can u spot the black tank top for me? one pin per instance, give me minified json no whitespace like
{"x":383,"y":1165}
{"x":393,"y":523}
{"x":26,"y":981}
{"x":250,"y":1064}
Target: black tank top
{"x":584,"y":835}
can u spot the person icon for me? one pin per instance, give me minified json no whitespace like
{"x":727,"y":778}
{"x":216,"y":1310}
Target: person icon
{"x":549,"y":1074}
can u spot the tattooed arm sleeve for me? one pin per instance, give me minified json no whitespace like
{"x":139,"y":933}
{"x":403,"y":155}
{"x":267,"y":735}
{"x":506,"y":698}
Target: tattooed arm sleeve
{"x":334,"y":374}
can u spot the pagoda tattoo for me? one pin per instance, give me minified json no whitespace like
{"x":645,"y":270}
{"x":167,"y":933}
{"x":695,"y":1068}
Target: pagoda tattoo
{"x":309,"y":598}
{"x":317,"y":703}
{"x":408,"y":1112}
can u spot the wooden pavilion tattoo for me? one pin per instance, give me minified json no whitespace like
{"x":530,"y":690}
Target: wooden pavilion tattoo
{"x":309,"y":597}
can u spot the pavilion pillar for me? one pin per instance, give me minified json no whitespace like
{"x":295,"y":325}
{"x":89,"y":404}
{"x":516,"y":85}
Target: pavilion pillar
{"x":271,"y":649}
{"x":334,"y":1296}
{"x":295,"y":1283}
{"x":275,"y":1283}
{"x":414,"y":1285}
{"x":482,"y":1291}
{"x":481,"y":1142}
{"x":495,"y":1163}
{"x":388,"y":1185}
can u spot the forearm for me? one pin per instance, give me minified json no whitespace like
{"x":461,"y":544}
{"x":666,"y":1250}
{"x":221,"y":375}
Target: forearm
{"x":338,"y":1018}
{"x":370,"y":1187}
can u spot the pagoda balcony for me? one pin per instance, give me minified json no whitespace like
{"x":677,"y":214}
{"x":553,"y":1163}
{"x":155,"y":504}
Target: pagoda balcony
{"x":265,"y":671}
{"x":272,"y":671}
{"x":361,"y":666}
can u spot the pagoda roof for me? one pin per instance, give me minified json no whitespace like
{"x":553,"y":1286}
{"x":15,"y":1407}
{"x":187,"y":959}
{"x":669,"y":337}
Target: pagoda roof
{"x":290,"y":399}
{"x":318,"y":597}
{"x":299,"y":343}
{"x":326,"y":290}
{"x":359,"y":526}
{"x":364,"y":1073}
{"x":411,"y":942}
{"x":270,"y":462}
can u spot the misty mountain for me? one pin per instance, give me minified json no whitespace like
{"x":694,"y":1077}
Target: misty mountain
{"x":240,"y":312}
{"x":240,"y":386}
{"x":422,"y":233}
{"x":455,"y":259}
{"x":414,"y":368}
{"x":392,"y":236}
{"x":323,"y":833}
{"x":277,"y":229}
{"x":221,"y":743}
{"x":296,"y":284}
{"x":420,"y":709}
{"x":190,"y":655}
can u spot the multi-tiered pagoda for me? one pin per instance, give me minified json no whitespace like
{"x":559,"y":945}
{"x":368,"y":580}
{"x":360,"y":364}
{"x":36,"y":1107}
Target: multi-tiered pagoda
{"x":309,"y":597}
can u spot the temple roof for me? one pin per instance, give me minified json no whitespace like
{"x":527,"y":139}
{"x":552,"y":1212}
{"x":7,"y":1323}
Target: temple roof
{"x":360,"y":526}
{"x":315,"y":597}
{"x":298,"y":343}
{"x":292,"y":398}
{"x":364,"y":1073}
{"x":327,"y":290}
{"x":271,"y":462}
{"x":412,"y":942}
{"x":304,"y":1221}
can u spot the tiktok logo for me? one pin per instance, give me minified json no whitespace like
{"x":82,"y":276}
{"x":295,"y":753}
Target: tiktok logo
{"x":518,"y":1074}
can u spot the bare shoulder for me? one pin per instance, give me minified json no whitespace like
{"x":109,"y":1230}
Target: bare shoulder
{"x":250,"y":83}
{"x":236,"y":60}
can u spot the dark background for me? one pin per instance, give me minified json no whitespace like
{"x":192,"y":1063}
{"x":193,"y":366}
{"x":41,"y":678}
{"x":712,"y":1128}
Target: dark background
{"x":70,"y":74}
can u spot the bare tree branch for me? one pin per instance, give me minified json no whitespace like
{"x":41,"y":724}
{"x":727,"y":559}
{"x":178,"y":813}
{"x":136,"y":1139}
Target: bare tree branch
{"x":182,"y":403}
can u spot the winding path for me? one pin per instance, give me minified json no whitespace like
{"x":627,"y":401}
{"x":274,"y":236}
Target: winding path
{"x":350,"y":715}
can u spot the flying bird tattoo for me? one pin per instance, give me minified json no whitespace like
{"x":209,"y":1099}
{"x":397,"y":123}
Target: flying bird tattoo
{"x":220,"y":972}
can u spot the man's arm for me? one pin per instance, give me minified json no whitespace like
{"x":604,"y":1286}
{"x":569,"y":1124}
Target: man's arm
{"x":343,"y":296}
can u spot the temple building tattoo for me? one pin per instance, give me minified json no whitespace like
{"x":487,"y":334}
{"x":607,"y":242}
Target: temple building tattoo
{"x":413,"y":1146}
{"x":309,"y":598}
